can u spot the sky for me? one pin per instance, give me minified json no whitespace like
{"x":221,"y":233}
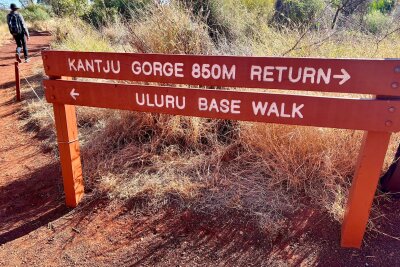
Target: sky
{"x":8,"y":2}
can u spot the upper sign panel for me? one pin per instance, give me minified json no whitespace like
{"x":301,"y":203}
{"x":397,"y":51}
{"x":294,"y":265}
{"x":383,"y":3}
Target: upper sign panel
{"x":360,"y":76}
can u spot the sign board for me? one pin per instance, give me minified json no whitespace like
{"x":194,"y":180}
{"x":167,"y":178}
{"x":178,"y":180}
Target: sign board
{"x":345,"y":113}
{"x":358,"y":76}
{"x":378,"y":117}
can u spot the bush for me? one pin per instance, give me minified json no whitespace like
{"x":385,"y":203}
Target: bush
{"x":384,"y":6}
{"x":127,"y":9}
{"x":169,"y":29}
{"x":263,"y":8}
{"x":106,"y":12}
{"x":297,"y":12}
{"x":376,"y":22}
{"x":75,"y":35}
{"x":229,"y":19}
{"x":68,"y":7}
{"x":99,"y":15}
{"x":33,"y":13}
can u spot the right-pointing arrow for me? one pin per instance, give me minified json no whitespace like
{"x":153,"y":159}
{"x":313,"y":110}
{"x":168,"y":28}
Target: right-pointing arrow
{"x":345,"y":76}
{"x":73,"y":94}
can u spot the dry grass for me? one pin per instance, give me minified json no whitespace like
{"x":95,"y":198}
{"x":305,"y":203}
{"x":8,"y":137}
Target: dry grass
{"x":4,"y":34}
{"x":74,"y":34}
{"x":266,"y":171}
{"x":170,"y":29}
{"x":44,"y":25}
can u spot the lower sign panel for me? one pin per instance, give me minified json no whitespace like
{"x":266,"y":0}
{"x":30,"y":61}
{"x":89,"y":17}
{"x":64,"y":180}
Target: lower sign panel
{"x":368,"y":114}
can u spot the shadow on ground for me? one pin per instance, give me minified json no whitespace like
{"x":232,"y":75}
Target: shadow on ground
{"x":31,"y":202}
{"x":116,"y":234}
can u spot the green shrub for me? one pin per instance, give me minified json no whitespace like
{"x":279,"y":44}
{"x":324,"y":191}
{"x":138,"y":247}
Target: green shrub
{"x":99,"y":15}
{"x":384,"y":6}
{"x":127,"y":9}
{"x":69,"y":7}
{"x":34,"y":13}
{"x":230,"y":20}
{"x":262,"y":8}
{"x":376,"y":22}
{"x":106,"y":12}
{"x":297,"y":12}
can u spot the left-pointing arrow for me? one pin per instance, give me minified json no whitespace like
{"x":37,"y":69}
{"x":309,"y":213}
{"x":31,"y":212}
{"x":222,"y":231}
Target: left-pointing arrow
{"x":73,"y":94}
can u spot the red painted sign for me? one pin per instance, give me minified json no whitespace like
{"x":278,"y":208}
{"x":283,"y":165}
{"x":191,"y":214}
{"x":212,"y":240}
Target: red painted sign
{"x":374,"y":115}
{"x":377,"y":116}
{"x":360,"y":76}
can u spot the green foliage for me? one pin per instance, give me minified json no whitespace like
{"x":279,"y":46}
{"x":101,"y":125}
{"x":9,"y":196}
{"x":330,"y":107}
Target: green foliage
{"x":231,"y":20}
{"x":68,"y":7}
{"x":104,"y":12}
{"x":297,"y":12}
{"x":384,"y":6}
{"x":260,"y":7}
{"x":99,"y":15}
{"x":376,"y":22}
{"x":33,"y":13}
{"x":208,"y":11}
{"x":127,"y":9}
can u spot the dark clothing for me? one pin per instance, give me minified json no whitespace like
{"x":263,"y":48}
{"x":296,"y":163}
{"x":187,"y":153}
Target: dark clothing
{"x":21,"y":20}
{"x":21,"y":43}
{"x":20,"y":39}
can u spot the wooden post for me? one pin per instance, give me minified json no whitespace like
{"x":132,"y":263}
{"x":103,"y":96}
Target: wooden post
{"x":365,"y":181}
{"x":17,"y":82}
{"x":68,"y":145}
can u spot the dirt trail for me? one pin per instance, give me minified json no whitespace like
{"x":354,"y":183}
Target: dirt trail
{"x":36,"y":229}
{"x":27,"y":176}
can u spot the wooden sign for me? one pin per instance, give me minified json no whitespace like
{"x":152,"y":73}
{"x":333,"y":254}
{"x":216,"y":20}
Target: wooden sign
{"x":378,"y":117}
{"x":359,"y":76}
{"x":367,"y":114}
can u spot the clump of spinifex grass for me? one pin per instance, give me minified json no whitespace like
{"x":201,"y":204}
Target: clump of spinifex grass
{"x":263,"y":170}
{"x":170,"y":29}
{"x":74,"y":34}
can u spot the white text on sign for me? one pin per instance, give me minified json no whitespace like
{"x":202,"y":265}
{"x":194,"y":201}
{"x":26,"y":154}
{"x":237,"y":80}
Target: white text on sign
{"x":296,"y":75}
{"x":226,"y":106}
{"x":266,"y":74}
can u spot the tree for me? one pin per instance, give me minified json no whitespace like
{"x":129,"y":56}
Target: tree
{"x":25,"y":3}
{"x":68,"y":7}
{"x":347,"y":7}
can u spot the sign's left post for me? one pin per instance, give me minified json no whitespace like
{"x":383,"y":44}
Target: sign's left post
{"x":17,"y":82}
{"x":68,"y":145}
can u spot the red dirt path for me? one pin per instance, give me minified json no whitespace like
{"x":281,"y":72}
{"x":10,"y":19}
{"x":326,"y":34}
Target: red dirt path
{"x":36,"y":229}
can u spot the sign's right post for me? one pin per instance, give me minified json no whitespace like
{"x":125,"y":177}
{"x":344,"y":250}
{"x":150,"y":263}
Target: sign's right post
{"x":363,"y":188}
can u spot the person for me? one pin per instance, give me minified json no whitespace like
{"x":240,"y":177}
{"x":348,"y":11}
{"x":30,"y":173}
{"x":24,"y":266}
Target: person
{"x":18,"y":29}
